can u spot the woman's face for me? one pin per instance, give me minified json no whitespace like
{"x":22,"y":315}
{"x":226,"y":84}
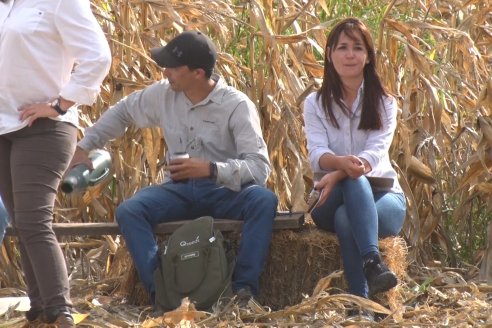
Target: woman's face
{"x":349,"y":56}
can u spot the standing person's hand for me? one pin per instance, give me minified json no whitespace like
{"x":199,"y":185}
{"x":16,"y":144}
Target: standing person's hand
{"x":80,"y":156}
{"x":32,"y":112}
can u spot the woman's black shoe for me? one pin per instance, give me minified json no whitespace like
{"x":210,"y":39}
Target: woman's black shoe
{"x":379,"y":277}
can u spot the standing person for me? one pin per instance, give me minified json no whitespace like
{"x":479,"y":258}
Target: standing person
{"x":228,"y":163}
{"x":53,"y":55}
{"x":4,"y":221}
{"x":349,"y":126}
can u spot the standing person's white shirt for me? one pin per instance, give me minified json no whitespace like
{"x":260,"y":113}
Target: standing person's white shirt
{"x":33,"y":31}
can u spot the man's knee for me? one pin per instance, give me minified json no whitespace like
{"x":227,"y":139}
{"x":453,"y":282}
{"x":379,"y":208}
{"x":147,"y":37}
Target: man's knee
{"x":125,"y":212}
{"x":264,"y":197}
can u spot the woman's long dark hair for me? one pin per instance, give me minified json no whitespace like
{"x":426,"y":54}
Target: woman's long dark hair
{"x":332,"y":89}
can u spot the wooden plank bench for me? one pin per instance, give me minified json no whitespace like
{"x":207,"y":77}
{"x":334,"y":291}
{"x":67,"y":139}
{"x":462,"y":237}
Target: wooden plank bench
{"x":283,"y":220}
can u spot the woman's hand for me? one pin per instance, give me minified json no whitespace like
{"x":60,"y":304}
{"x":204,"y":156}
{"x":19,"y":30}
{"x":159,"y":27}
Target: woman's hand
{"x":30,"y":113}
{"x":352,"y":165}
{"x":326,"y":185}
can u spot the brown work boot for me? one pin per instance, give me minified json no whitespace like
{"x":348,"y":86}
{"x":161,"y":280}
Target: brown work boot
{"x":59,"y":318}
{"x":34,"y":318}
{"x":36,"y":323}
{"x":63,"y":321}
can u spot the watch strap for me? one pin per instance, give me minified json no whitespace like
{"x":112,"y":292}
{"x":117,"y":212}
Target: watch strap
{"x":56,"y":106}
{"x":213,"y":171}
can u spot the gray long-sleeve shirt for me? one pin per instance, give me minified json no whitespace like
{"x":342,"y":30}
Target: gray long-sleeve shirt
{"x":224,"y":128}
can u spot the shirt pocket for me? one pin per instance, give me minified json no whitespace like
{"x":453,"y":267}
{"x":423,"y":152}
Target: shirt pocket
{"x":26,"y":20}
{"x":212,"y":136}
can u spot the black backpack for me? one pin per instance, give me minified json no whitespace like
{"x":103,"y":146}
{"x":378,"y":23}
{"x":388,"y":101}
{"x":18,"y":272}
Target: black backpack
{"x":195,"y":262}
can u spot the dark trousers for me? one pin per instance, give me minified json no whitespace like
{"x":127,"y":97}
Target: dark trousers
{"x":32,"y":163}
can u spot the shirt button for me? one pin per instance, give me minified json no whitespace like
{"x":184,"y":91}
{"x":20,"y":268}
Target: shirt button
{"x":191,"y":128}
{"x":192,"y":147}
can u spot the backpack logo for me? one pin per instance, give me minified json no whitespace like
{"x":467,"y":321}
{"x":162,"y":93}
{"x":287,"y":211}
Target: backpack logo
{"x":184,"y":243}
{"x":190,"y":256}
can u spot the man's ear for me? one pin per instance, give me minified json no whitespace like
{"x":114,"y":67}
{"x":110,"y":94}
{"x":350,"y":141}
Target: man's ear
{"x":200,"y":72}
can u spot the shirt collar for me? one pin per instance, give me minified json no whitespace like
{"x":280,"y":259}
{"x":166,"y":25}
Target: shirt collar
{"x":217,"y":94}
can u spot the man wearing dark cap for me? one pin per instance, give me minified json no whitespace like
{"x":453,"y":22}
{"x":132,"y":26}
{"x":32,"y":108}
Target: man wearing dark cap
{"x":228,"y":164}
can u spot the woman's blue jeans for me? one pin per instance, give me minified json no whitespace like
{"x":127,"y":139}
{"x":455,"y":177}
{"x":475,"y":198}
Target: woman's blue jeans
{"x":254,"y":204}
{"x":359,"y":217}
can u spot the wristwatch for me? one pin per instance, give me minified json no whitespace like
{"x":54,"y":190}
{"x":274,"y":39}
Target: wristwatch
{"x":56,"y":106}
{"x":213,"y":170}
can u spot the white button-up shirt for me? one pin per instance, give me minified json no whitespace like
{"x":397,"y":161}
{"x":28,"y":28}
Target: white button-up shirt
{"x":372,"y":145}
{"x":49,"y":48}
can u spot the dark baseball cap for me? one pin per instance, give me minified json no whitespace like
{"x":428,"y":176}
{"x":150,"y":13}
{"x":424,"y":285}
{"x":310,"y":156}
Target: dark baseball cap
{"x":190,"y":48}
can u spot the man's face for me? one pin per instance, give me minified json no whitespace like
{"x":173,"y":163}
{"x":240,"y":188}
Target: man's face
{"x":181,"y":78}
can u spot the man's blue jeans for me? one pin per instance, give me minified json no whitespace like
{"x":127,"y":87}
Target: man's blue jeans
{"x":4,"y":220}
{"x":359,"y":217}
{"x":171,"y":201}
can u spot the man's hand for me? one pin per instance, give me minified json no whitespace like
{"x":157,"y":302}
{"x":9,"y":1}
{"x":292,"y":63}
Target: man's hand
{"x":80,"y":156}
{"x":187,"y":168}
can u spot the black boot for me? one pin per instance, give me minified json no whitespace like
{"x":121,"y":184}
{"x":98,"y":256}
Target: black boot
{"x":379,"y":277}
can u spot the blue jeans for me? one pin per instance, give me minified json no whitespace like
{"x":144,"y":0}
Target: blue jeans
{"x":4,"y":220}
{"x":171,"y":201}
{"x":359,"y":217}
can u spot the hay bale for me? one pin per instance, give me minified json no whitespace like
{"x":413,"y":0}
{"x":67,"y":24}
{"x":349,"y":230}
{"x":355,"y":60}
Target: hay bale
{"x":394,"y":251}
{"x":298,"y":260}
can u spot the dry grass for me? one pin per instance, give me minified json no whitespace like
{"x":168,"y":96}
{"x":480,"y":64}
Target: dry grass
{"x":302,"y":287}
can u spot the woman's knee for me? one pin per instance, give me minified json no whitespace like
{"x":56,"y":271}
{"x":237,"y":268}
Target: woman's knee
{"x":360,"y":182}
{"x":391,"y":215}
{"x":392,"y":225}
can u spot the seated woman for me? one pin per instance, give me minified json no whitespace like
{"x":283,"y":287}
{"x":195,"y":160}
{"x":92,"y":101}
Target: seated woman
{"x":349,"y":126}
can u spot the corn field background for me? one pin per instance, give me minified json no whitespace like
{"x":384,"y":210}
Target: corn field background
{"x":434,"y":56}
